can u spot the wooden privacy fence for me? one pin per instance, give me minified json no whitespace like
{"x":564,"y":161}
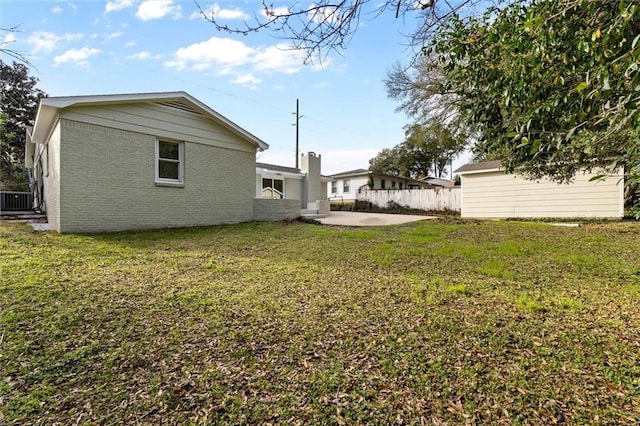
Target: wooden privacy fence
{"x":439,"y":199}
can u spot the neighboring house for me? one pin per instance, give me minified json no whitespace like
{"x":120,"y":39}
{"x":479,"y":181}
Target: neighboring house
{"x":487,"y":192}
{"x":346,"y":185}
{"x":150,"y":160}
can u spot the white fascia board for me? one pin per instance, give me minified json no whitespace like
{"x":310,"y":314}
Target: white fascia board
{"x":273,"y":173}
{"x":46,"y":118}
{"x":473,"y":172}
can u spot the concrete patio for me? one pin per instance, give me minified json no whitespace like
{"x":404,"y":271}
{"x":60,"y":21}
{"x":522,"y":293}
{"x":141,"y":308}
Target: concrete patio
{"x":339,"y":218}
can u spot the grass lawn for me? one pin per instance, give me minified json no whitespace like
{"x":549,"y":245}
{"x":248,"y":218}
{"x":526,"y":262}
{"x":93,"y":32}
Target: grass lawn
{"x":447,"y":322}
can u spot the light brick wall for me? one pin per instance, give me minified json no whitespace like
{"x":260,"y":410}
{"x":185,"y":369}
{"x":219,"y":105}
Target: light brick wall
{"x":271,"y":210}
{"x":108,"y":183}
{"x":51,"y":175}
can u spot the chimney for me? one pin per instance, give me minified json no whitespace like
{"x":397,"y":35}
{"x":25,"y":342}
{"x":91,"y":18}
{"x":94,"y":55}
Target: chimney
{"x":312,"y":190}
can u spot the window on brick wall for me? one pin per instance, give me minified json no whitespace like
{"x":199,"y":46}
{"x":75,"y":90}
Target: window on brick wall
{"x":272,"y":188}
{"x":169,"y":162}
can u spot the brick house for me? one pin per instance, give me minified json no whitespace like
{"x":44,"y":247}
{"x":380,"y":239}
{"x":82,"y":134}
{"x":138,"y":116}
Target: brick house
{"x":139,"y":161}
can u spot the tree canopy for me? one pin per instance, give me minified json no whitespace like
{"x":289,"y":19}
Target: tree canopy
{"x":18,"y":104}
{"x":553,"y":86}
{"x":426,"y":151}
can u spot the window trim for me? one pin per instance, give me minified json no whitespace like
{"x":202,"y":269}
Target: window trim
{"x":164,"y":181}
{"x":346,"y":186}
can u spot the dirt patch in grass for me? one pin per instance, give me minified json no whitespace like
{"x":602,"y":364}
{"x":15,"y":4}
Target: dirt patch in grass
{"x":445,"y":322}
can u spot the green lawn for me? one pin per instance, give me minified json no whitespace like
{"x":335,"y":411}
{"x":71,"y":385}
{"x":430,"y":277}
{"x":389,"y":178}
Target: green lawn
{"x":435,"y":322}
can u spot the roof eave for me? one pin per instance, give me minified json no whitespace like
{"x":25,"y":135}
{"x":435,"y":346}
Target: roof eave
{"x":46,"y":118}
{"x":473,"y":172}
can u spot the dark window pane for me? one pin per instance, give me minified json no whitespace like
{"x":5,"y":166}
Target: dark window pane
{"x":169,"y":150}
{"x":279,"y":186}
{"x":266,"y":188}
{"x":168,"y":170}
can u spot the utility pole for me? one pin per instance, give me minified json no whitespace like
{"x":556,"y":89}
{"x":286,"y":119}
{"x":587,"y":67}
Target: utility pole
{"x":297,"y":131}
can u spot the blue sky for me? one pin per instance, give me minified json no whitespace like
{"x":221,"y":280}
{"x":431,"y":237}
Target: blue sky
{"x":89,"y":47}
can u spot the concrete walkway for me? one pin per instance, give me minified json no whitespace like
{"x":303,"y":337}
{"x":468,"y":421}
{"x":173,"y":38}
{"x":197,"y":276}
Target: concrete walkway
{"x":369,"y":219}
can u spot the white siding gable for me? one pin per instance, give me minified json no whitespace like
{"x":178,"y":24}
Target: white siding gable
{"x":161,"y":120}
{"x":494,"y":194}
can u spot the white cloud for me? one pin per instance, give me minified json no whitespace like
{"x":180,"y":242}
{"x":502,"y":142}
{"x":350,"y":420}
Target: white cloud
{"x":9,"y":38}
{"x":43,"y":41}
{"x":340,"y":160}
{"x":243,"y":63}
{"x":273,"y":12}
{"x":130,"y":44}
{"x":156,"y":9}
{"x":114,"y":5}
{"x":113,"y":35}
{"x":325,"y":14}
{"x":248,"y":80}
{"x":215,"y":51}
{"x":220,"y":13}
{"x":144,"y":55}
{"x":56,"y":9}
{"x":279,"y":58}
{"x":74,"y":7}
{"x":76,"y":56}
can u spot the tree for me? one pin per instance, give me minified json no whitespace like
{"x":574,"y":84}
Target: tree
{"x":427,"y":151}
{"x":552,"y":86}
{"x":18,"y":103}
{"x":329,"y":25}
{"x":396,"y":161}
{"x":12,"y":174}
{"x":418,"y":89}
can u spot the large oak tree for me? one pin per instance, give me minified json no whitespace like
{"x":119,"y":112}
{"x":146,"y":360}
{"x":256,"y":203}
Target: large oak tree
{"x":553,"y":86}
{"x":18,"y":103}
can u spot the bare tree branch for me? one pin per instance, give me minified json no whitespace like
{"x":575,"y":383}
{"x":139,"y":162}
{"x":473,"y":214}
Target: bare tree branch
{"x":329,"y":25}
{"x":10,"y":52}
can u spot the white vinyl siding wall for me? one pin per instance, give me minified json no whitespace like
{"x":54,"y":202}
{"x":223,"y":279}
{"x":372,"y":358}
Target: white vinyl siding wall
{"x":161,"y":121}
{"x":493,"y":194}
{"x":292,"y":185}
{"x":354,"y":184}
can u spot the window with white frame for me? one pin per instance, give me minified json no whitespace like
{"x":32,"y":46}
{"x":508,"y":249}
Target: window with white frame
{"x":169,"y":162}
{"x":272,"y":188}
{"x":334,"y":187}
{"x":346,"y":185}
